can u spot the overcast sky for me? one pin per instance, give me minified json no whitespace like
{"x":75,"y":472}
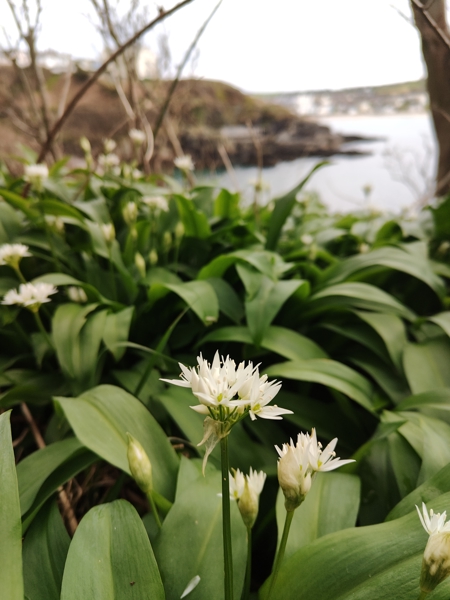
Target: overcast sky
{"x":265,"y":45}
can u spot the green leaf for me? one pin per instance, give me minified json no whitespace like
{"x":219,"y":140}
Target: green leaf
{"x":195,"y":523}
{"x":60,"y":209}
{"x":35,"y":468}
{"x":44,"y":554}
{"x":229,"y":302}
{"x":356,"y":295}
{"x":200,"y":297}
{"x":59,"y":279}
{"x":22,"y":204}
{"x":331,"y":505}
{"x":283,"y":208}
{"x":438,"y":399}
{"x":282,"y":341}
{"x":117,"y":327}
{"x":392,"y":331}
{"x":195,"y":222}
{"x":377,"y":562}
{"x":443,"y":320}
{"x":226,"y":205}
{"x":264,"y":299}
{"x":101,"y":418}
{"x":267,"y":263}
{"x":110,"y":557}
{"x":327,"y":372}
{"x":10,"y":524}
{"x":427,"y":365}
{"x":389,"y":257}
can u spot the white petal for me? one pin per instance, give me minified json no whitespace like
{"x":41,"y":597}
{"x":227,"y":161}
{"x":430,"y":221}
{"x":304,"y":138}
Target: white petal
{"x":190,"y":586}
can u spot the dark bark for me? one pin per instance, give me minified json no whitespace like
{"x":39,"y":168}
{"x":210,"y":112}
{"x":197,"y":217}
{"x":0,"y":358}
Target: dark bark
{"x":435,"y":37}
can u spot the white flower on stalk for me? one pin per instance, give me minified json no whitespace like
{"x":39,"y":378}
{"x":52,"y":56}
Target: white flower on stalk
{"x":11,"y":254}
{"x":227,"y":393}
{"x":436,"y":558}
{"x":30,"y":295}
{"x":307,"y":239}
{"x":137,"y":136}
{"x":109,"y":145}
{"x":85,"y":144}
{"x":298,"y":464}
{"x":36,"y":174}
{"x":107,"y":161}
{"x":245,"y":489}
{"x":184,"y":163}
{"x":156,"y":203}
{"x":130,"y":212}
{"x":77,"y":294}
{"x":137,"y":174}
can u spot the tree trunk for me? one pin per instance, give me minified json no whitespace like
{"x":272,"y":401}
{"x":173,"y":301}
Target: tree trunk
{"x":437,"y":58}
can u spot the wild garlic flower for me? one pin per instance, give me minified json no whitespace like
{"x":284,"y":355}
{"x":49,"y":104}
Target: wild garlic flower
{"x":11,"y":254}
{"x":30,"y":295}
{"x":107,"y":161}
{"x":77,"y":294}
{"x":227,"y":393}
{"x":137,"y":136}
{"x":298,"y":464}
{"x":436,"y":558}
{"x":245,"y":489}
{"x":35,"y":175}
{"x":156,"y":203}
{"x":109,"y":145}
{"x":184,"y":163}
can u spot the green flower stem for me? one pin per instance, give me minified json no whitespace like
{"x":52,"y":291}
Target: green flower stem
{"x":19,"y":274}
{"x":248,"y":569}
{"x":154,"y":509}
{"x":226,"y":520}
{"x":42,"y":329}
{"x":281,"y":549}
{"x":112,"y":274}
{"x":422,"y":595}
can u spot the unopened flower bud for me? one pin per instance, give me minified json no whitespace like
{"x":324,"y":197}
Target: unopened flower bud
{"x":179,"y":230}
{"x":109,"y":232}
{"x":85,"y":144}
{"x":436,"y":558}
{"x":140,"y":465}
{"x":77,"y":294}
{"x":246,"y":490}
{"x":139,"y":261}
{"x":130,"y":212}
{"x":153,"y":257}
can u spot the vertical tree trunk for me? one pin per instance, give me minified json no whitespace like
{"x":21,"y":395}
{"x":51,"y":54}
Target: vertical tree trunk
{"x":437,"y":58}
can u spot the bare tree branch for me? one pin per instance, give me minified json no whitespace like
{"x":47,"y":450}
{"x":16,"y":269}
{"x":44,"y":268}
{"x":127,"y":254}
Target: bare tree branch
{"x":71,"y":106}
{"x":439,"y":32}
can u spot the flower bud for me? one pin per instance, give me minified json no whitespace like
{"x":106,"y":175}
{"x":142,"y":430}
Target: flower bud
{"x":109,"y":232}
{"x":293,"y":480}
{"x":153,"y":257}
{"x":130,"y":212}
{"x":139,"y":261}
{"x":436,"y":561}
{"x":140,"y":465}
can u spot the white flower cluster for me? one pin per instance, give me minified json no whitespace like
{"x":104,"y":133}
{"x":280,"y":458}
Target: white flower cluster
{"x":30,"y":295}
{"x":156,"y":203}
{"x":184,"y":163}
{"x":228,"y":392}
{"x":11,"y":254}
{"x":245,"y":489}
{"x":298,"y":463}
{"x":77,"y":294}
{"x":36,"y":174}
{"x":137,"y":136}
{"x":436,"y":558}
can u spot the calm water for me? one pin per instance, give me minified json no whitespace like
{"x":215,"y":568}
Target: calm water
{"x":398,"y":173}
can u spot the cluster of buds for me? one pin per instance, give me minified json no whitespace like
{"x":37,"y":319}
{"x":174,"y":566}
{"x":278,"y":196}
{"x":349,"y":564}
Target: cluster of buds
{"x":156,"y":203}
{"x":245,"y":489}
{"x":436,"y":558}
{"x":299,"y":463}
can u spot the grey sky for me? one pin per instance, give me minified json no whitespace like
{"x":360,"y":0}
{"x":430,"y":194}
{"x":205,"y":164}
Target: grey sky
{"x":267,"y":45}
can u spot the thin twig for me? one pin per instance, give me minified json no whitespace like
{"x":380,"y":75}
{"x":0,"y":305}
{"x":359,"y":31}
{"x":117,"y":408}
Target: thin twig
{"x":174,"y":83}
{"x":72,"y":104}
{"x":68,"y":511}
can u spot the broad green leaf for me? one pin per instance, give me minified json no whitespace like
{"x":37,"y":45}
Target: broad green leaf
{"x":60,"y":209}
{"x":434,"y":402}
{"x":267,"y":263}
{"x":283,"y":208}
{"x":282,"y":341}
{"x":11,"y":581}
{"x":327,"y":372}
{"x":377,"y":562}
{"x":59,"y":279}
{"x":157,"y":278}
{"x":391,"y":257}
{"x":356,"y":295}
{"x":19,"y":203}
{"x":392,"y":331}
{"x":264,"y":299}
{"x":427,"y":365}
{"x":44,"y":554}
{"x":443,"y":320}
{"x":405,"y":463}
{"x":190,"y":541}
{"x":200,"y":297}
{"x":195,"y":222}
{"x":331,"y":505}
{"x":117,"y":327}
{"x":226,"y":205}
{"x":101,"y":418}
{"x":229,"y":302}
{"x":110,"y":557}
{"x":35,"y":468}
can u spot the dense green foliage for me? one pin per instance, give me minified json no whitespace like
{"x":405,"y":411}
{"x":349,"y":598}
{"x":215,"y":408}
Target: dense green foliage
{"x":349,"y":312}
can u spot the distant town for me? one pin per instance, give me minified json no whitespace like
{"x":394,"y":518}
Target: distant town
{"x":409,"y":97}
